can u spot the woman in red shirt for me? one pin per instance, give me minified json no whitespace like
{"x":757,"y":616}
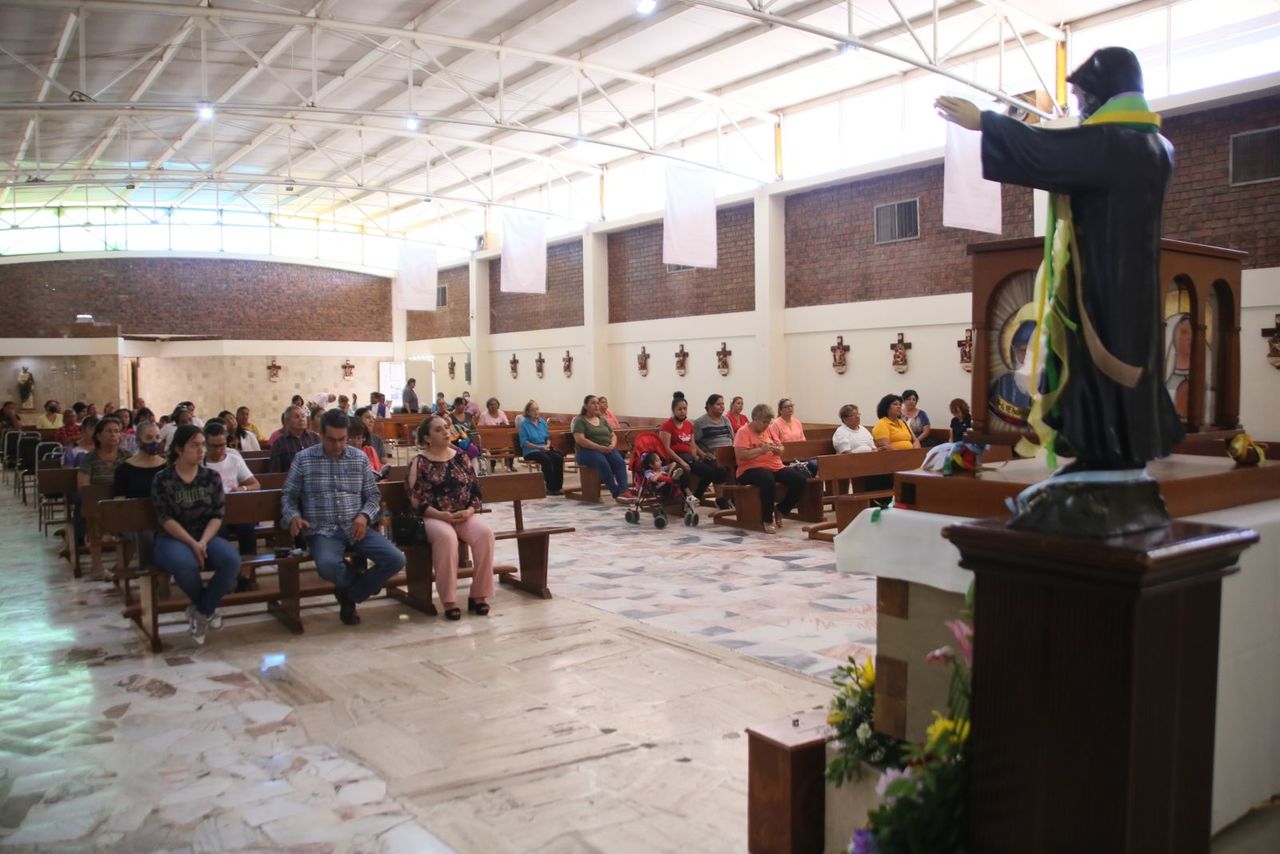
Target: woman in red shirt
{"x":760,"y":465}
{"x":736,"y":419}
{"x":676,"y":434}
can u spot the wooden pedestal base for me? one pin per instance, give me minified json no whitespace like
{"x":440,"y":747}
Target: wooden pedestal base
{"x":1094,"y":686}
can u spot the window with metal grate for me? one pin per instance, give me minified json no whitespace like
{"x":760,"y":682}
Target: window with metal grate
{"x":1255,"y":156}
{"x":897,"y":221}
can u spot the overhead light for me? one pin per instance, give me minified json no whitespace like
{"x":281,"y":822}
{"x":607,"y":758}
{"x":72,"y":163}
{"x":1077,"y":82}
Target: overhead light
{"x":577,"y":142}
{"x":204,"y":110}
{"x":131,"y":186}
{"x":412,"y":122}
{"x":288,"y":188}
{"x":644,"y":7}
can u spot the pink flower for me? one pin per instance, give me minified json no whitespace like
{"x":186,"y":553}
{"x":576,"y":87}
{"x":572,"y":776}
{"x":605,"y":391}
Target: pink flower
{"x":963,"y":633}
{"x":941,"y":655}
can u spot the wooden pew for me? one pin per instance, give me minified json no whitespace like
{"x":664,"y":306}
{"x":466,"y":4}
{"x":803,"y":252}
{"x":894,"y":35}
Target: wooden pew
{"x":126,"y":516}
{"x":257,"y":465}
{"x":746,"y":500}
{"x":588,"y":478}
{"x":282,"y":593}
{"x":54,"y":488}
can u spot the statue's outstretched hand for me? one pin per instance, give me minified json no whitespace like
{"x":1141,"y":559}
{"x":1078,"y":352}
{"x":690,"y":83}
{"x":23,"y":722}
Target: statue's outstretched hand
{"x":959,"y":111}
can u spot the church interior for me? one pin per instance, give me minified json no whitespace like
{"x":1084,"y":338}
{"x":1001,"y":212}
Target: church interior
{"x":209,"y":206}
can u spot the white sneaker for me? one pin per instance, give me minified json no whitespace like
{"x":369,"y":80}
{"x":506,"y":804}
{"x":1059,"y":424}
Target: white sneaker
{"x":215,"y":621}
{"x":197,"y":625}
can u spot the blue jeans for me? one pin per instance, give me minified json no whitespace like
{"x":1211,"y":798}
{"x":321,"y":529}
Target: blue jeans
{"x":176,"y":558}
{"x":610,"y":464}
{"x":327,"y":551}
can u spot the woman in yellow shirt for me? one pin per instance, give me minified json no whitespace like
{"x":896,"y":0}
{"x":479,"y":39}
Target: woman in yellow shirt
{"x":891,"y":431}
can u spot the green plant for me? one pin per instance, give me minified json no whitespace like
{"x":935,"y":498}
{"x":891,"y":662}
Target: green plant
{"x":850,"y":714}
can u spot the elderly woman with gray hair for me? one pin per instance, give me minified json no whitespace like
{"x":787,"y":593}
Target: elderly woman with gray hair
{"x":760,"y":465}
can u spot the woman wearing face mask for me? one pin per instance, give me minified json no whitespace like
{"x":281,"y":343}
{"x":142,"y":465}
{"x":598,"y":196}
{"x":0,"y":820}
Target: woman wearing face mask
{"x":133,"y":480}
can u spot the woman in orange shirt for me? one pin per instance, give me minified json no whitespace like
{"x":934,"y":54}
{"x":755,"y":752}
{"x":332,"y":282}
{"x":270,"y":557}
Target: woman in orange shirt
{"x":760,"y":465}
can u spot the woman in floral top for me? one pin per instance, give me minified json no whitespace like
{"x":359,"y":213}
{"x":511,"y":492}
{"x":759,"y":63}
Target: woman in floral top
{"x":443,"y":487}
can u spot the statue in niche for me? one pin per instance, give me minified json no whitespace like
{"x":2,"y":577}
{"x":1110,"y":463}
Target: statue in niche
{"x":273,"y":371}
{"x":1099,"y":338}
{"x":642,"y":359}
{"x":568,"y":363}
{"x":26,"y":390}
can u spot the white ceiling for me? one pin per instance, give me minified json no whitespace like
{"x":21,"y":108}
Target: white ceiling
{"x":311,"y":96}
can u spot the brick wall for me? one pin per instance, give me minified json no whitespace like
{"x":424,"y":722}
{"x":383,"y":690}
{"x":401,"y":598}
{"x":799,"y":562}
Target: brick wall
{"x":226,"y":298}
{"x":454,"y":318}
{"x":1201,"y":205}
{"x":560,"y":306}
{"x":832,"y":257}
{"x":640,"y":288}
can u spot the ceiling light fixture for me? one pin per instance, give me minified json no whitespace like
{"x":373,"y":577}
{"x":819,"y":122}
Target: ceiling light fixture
{"x":204,"y":110}
{"x":412,"y":122}
{"x":644,"y":7}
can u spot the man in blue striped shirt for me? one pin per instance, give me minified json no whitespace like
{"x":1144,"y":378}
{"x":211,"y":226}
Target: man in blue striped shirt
{"x":330,"y":497}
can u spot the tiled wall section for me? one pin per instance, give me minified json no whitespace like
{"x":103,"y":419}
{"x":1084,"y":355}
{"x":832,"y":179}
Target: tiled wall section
{"x":226,"y":298}
{"x":454,"y":318}
{"x":1201,"y":205}
{"x":832,"y":256}
{"x":640,"y":288}
{"x":560,"y":306}
{"x":215,"y":383}
{"x":65,"y":379}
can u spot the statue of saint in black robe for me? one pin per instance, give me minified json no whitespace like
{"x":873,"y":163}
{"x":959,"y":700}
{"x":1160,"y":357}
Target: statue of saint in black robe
{"x":1116,"y":177}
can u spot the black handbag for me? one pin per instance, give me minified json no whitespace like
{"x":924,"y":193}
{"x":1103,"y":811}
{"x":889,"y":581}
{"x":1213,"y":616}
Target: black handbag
{"x":407,"y":529}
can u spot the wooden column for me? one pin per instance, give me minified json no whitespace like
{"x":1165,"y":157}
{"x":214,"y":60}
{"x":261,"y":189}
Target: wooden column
{"x":1094,"y":686}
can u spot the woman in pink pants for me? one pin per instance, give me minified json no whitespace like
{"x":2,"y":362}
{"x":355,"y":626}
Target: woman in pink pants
{"x":442,"y":486}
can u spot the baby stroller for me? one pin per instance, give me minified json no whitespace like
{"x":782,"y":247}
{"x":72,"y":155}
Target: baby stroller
{"x":655,"y":495}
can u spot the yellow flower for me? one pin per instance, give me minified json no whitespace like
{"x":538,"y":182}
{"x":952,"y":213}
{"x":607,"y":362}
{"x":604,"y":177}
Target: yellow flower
{"x":867,"y":674}
{"x":835,"y":718}
{"x":957,"y":730}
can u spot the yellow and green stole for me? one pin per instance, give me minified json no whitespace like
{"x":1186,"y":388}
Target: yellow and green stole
{"x":1054,"y":321}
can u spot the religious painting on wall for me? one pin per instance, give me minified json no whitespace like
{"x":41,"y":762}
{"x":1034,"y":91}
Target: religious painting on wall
{"x":1273,"y":344}
{"x":1013,"y":325}
{"x":1177,"y":346}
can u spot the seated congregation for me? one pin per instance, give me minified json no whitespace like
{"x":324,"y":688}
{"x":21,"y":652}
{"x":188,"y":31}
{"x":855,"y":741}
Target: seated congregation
{"x":320,"y":507}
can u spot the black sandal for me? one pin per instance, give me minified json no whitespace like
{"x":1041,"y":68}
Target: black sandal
{"x":453,"y":613}
{"x":478,"y":608}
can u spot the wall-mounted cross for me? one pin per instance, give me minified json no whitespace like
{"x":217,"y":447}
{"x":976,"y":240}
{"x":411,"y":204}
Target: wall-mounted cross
{"x":722,"y":359}
{"x":568,"y":363}
{"x":515,"y":366}
{"x":538,"y":364}
{"x":453,"y":367}
{"x":966,"y":350}
{"x":1273,"y":343}
{"x":682,"y":360}
{"x":900,"y":348}
{"x":839,"y":354}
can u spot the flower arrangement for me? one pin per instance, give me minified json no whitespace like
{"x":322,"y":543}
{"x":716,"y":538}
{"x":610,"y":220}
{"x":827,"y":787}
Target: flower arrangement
{"x":925,"y":801}
{"x":850,"y":715}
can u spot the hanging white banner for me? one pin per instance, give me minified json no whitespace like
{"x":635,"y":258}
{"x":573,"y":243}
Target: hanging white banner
{"x":416,"y":280}
{"x":524,"y":253}
{"x":689,"y":222}
{"x":968,"y":200}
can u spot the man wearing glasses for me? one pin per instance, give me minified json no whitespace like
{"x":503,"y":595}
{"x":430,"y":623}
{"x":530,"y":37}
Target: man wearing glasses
{"x":330,"y":497}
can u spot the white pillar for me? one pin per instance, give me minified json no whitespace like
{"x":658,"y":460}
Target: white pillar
{"x":595,"y":311}
{"x":477,"y":341}
{"x":770,"y":256}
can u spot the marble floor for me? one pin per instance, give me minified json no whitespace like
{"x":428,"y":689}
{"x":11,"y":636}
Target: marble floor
{"x":609,"y":718}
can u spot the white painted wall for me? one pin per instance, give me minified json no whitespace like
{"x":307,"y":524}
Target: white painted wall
{"x":1259,"y":382}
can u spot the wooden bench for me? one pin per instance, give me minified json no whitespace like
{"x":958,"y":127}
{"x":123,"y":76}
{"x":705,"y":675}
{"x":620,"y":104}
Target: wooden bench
{"x":54,"y":488}
{"x":283,"y":591}
{"x":746,"y":499}
{"x":589,"y":484}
